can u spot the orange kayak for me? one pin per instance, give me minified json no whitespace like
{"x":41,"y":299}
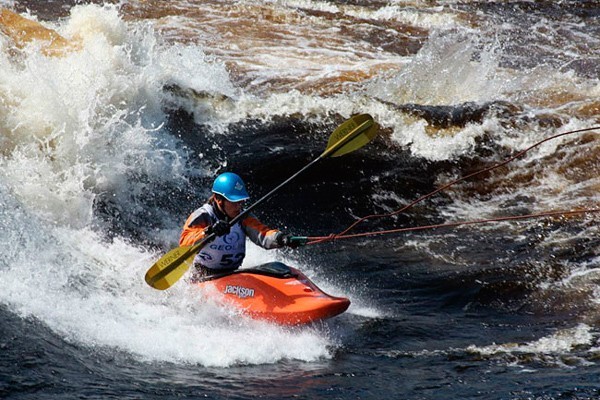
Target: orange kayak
{"x":277,"y":293}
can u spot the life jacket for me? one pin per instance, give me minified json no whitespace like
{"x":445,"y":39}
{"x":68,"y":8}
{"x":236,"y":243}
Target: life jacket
{"x":224,"y":252}
{"x":228,"y":251}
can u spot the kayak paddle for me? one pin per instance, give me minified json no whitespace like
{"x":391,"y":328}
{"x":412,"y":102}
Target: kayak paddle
{"x":349,"y":136}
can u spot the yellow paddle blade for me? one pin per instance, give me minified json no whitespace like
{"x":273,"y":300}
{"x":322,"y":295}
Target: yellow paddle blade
{"x":171,"y":267}
{"x":351,"y":135}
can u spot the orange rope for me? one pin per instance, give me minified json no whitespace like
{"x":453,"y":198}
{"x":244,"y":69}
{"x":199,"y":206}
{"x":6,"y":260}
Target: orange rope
{"x":332,"y":237}
{"x":343,"y":234}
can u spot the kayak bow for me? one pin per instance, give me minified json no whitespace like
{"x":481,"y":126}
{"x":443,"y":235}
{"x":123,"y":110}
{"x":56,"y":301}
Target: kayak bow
{"x":276,"y":293}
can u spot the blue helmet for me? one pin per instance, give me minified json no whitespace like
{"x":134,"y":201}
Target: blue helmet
{"x":230,"y":186}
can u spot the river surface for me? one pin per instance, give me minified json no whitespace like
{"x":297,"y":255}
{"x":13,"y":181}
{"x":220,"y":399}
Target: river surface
{"x":109,"y":144}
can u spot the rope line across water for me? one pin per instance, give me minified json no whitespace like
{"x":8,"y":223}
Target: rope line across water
{"x":344,"y":234}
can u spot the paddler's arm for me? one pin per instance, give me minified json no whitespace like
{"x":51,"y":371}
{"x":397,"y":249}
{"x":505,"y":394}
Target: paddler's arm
{"x":268,"y":238}
{"x":260,"y":234}
{"x":194,"y":228}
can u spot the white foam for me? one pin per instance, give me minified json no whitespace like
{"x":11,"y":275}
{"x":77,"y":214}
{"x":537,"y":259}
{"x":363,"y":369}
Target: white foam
{"x":549,"y":349}
{"x":560,"y":342}
{"x":449,"y":69}
{"x":91,"y":291}
{"x":423,"y":17}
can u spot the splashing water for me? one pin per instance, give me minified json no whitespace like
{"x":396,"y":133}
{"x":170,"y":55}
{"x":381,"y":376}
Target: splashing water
{"x":88,"y":123}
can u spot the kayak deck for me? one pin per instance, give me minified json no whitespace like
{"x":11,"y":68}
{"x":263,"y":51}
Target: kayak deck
{"x":277,"y":293}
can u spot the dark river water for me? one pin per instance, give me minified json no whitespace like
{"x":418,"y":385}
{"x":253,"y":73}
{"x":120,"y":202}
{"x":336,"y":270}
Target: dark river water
{"x":109,"y":142}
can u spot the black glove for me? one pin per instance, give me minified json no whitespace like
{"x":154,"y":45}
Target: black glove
{"x":219,"y":228}
{"x":287,"y":240}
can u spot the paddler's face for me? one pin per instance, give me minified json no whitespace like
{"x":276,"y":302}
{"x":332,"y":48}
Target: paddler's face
{"x":232,"y":209}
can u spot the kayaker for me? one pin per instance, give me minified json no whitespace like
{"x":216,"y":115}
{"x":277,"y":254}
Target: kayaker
{"x":228,"y":250}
